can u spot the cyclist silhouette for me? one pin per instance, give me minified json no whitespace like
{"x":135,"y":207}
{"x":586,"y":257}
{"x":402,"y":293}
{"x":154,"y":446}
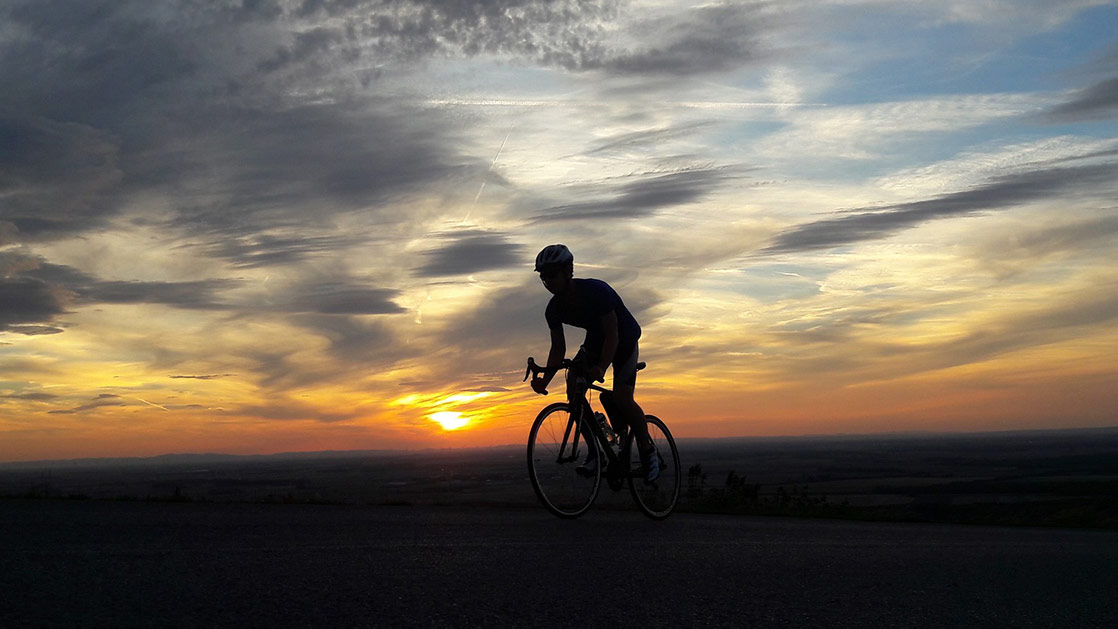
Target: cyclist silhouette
{"x":611,"y":339}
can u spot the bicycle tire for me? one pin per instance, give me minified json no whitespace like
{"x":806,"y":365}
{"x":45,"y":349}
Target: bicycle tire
{"x":552,"y":464}
{"x":658,"y":498}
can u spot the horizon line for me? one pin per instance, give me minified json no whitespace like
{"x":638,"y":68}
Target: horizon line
{"x":384,"y":451}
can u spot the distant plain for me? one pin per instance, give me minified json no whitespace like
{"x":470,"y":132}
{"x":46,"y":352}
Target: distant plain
{"x":1063,"y":478}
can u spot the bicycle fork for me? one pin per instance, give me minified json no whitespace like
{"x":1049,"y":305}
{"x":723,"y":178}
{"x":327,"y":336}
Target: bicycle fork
{"x":571,"y":436}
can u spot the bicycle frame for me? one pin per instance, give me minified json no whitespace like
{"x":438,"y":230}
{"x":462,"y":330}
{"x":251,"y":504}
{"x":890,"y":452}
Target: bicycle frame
{"x":578,"y":389}
{"x":554,"y":443}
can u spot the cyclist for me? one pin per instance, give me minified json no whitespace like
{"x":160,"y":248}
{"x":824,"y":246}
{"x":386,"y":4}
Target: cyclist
{"x":611,"y":338}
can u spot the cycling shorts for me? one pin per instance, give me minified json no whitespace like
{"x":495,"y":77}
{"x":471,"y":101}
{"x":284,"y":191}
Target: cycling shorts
{"x":625,"y":370}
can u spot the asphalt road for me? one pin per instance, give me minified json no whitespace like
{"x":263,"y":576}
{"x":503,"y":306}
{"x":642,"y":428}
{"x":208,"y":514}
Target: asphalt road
{"x":93,"y":563}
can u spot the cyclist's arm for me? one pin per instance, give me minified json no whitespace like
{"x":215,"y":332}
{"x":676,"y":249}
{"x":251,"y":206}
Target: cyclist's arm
{"x":556,"y":355}
{"x":609,"y":341}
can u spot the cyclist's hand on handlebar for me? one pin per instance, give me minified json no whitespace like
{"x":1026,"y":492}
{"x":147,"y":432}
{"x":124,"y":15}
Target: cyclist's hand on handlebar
{"x":597,"y":374}
{"x":539,"y":386}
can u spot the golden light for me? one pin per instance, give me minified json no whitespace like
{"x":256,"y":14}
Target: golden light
{"x":449,"y":420}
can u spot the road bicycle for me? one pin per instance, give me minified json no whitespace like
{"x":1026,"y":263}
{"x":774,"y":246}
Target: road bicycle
{"x":571,"y":446}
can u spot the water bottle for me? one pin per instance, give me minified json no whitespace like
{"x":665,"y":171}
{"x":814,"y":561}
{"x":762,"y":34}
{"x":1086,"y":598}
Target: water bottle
{"x":607,"y":430}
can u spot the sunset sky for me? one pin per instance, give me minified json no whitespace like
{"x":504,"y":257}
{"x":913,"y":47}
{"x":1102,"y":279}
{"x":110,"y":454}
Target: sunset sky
{"x":267,"y":226}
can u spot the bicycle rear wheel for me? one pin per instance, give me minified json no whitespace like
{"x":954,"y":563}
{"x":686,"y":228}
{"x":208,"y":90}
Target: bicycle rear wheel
{"x":555,"y":451}
{"x":658,"y":498}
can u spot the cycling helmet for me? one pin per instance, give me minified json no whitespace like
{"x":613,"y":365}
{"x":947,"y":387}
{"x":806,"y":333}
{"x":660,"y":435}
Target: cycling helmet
{"x":554,"y":255}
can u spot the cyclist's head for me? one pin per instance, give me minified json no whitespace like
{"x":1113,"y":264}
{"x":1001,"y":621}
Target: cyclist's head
{"x":553,"y":256}
{"x":555,"y":264}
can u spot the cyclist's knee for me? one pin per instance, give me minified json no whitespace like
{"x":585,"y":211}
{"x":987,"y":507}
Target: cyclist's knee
{"x":623,"y":393}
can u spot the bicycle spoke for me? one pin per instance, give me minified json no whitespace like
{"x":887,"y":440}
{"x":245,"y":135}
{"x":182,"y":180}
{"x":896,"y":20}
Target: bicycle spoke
{"x":555,"y":451}
{"x":657,"y":498}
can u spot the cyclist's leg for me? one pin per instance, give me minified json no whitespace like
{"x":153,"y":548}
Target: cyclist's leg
{"x":624,"y":388}
{"x":587,"y":439}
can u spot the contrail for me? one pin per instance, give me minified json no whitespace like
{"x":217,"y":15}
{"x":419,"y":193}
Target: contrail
{"x":483,"y":102}
{"x":484,"y":179}
{"x":151,"y":404}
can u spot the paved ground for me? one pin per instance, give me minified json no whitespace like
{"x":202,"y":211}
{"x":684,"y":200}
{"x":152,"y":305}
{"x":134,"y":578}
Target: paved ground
{"x":145,"y":564}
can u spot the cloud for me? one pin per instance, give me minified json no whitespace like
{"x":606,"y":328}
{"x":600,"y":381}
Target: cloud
{"x":55,"y":177}
{"x":262,"y":249}
{"x":869,"y":130}
{"x":470,"y":252}
{"x":293,"y":169}
{"x":199,"y":294}
{"x":31,"y":397}
{"x":101,"y":401}
{"x":1012,"y":253}
{"x":1098,"y":102}
{"x":34,"y":291}
{"x":640,"y":140}
{"x":703,"y":39}
{"x":999,"y":193}
{"x":1066,"y":315}
{"x":291,"y":410}
{"x":641,"y":195}
{"x":87,"y":289}
{"x":608,"y":36}
{"x":25,"y":300}
{"x":112,"y":104}
{"x":561,"y":33}
{"x":340,"y":298}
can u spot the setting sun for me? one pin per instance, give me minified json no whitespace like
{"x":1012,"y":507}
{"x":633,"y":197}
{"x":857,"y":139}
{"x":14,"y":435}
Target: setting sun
{"x":449,"y":420}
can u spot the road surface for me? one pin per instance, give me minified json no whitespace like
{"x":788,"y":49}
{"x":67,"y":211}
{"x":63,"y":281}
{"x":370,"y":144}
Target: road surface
{"x":94,"y":563}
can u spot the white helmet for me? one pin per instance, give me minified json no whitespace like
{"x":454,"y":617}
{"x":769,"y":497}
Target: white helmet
{"x":553,"y":255}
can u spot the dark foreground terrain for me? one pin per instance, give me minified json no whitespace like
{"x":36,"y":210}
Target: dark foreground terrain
{"x":1041,"y":478}
{"x":113,"y":563}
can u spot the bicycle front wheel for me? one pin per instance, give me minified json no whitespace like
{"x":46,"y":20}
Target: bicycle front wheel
{"x":657,"y":498}
{"x":555,"y":451}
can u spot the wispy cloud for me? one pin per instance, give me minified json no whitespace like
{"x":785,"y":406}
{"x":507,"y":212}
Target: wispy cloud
{"x":998,"y":194}
{"x":641,"y":195}
{"x":1097,"y":102}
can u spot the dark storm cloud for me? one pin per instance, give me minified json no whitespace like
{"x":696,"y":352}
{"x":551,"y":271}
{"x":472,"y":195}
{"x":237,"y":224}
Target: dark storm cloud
{"x":1098,"y":102}
{"x":644,"y":196}
{"x":472,"y":252}
{"x":1095,"y":180}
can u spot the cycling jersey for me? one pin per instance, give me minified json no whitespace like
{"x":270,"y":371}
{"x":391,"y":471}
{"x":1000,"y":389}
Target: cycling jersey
{"x":593,"y":300}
